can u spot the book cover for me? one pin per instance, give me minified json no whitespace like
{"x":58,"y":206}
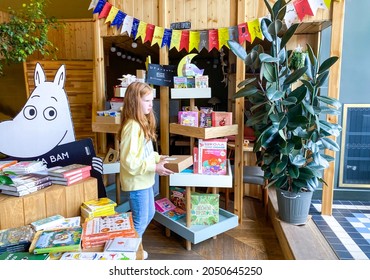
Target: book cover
{"x":99,"y":204}
{"x":69,"y":222}
{"x":222,"y":118}
{"x":58,"y":240}
{"x":123,"y":244}
{"x":6,"y":163}
{"x":67,"y":181}
{"x":24,"y":181}
{"x":178,"y":197}
{"x":163,"y":205}
{"x":195,"y":160}
{"x":204,"y":208}
{"x":69,"y":170}
{"x":205,"y":117}
{"x":47,"y":223}
{"x":212,"y":156}
{"x":23,"y":256}
{"x":98,"y":256}
{"x":175,"y":214}
{"x":16,"y":239}
{"x":86,"y":213}
{"x":188,"y":118}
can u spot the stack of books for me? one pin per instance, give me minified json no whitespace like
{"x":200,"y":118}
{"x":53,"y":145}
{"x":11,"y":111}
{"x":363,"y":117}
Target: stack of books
{"x":25,"y":184}
{"x":16,"y":239}
{"x":69,"y":174}
{"x":167,"y":208}
{"x":25,"y":167}
{"x":98,"y":207}
{"x":23,"y":256}
{"x":6,"y":163}
{"x":56,"y":222}
{"x":97,"y":231}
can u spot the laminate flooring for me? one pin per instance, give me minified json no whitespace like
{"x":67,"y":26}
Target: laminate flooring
{"x":254,"y":239}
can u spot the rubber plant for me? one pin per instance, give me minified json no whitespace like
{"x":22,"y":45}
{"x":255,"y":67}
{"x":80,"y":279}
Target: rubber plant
{"x":288,"y":113}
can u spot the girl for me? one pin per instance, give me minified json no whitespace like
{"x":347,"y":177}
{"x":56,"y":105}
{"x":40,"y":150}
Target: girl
{"x":138,"y":161}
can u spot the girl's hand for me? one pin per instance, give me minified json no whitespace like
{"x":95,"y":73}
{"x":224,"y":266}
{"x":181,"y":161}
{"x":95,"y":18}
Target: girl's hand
{"x":161,"y":170}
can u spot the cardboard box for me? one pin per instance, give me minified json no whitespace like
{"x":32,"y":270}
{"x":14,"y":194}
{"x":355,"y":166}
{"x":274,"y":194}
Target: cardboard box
{"x":178,"y":163}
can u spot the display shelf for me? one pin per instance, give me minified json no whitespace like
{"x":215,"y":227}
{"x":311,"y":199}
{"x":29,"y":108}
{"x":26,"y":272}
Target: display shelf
{"x":202,"y":180}
{"x":199,"y":233}
{"x":204,"y":132}
{"x":187,"y":93}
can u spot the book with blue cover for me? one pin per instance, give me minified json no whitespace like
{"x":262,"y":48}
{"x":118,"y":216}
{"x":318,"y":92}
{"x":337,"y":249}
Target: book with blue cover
{"x":48,"y":222}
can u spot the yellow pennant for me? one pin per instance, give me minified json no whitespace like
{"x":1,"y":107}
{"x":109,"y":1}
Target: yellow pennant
{"x":175,"y":40}
{"x":194,"y":40}
{"x":112,"y":14}
{"x":255,"y":29}
{"x":158,"y":36}
{"x":223,"y":36}
{"x":141,"y":30}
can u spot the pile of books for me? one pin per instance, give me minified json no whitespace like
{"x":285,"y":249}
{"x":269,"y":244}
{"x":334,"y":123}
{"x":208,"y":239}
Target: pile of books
{"x":25,"y":167}
{"x":167,"y":208}
{"x":16,"y":239}
{"x":97,"y":231}
{"x":56,"y":221}
{"x":25,"y":184}
{"x":69,"y":174}
{"x":6,"y":163}
{"x":98,"y":207}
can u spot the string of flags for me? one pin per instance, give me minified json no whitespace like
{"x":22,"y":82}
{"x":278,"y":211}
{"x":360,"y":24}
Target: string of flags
{"x":198,"y":39}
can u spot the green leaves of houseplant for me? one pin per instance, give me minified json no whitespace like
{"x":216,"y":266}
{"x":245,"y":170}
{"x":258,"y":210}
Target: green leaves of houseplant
{"x":288,"y":113}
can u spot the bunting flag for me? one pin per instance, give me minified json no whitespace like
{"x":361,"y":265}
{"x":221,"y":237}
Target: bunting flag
{"x":254,"y":29}
{"x":233,"y":33}
{"x":194,"y":39}
{"x":112,"y":14}
{"x":158,"y":36}
{"x":135,"y":26}
{"x":175,"y":40}
{"x":212,"y":39}
{"x":203,"y":44}
{"x":149,"y":32}
{"x":243,"y":33}
{"x":184,"y":42}
{"x":93,"y":4}
{"x":290,"y":15}
{"x":105,"y":11}
{"x":223,"y":36}
{"x":167,"y":35}
{"x":127,"y":25}
{"x":327,"y":3}
{"x":118,"y":20}
{"x":141,"y":31}
{"x":302,"y":7}
{"x":99,"y":6}
{"x":315,"y":5}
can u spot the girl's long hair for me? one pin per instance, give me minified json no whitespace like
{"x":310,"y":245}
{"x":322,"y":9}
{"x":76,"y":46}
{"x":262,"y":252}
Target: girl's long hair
{"x":131,"y":109}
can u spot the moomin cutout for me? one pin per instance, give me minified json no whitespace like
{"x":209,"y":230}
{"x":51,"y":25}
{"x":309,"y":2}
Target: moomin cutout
{"x":44,"y":122}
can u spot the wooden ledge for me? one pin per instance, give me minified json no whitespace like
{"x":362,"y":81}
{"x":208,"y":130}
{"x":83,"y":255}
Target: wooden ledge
{"x":304,"y":242}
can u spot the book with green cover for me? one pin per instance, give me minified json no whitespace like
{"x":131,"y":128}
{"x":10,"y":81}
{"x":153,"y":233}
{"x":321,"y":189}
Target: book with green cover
{"x":204,"y":208}
{"x":23,"y":256}
{"x":58,"y":240}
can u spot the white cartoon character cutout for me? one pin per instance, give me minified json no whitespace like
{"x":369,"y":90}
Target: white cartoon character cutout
{"x":44,"y":122}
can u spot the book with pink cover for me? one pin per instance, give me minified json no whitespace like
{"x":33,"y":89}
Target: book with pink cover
{"x":163,"y":205}
{"x":222,"y":118}
{"x":188,"y":118}
{"x":212,"y":156}
{"x":68,"y":170}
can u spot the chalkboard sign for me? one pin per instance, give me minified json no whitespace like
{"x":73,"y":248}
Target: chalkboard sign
{"x":355,"y":150}
{"x":161,"y":75}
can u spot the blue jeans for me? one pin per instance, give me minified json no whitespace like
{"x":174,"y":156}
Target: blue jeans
{"x":142,"y":208}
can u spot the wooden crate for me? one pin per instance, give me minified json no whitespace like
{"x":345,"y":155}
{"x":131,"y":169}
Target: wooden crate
{"x":56,"y":199}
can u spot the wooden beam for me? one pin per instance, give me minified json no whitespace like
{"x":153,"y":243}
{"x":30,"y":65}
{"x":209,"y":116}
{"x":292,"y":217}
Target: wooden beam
{"x":333,"y":91}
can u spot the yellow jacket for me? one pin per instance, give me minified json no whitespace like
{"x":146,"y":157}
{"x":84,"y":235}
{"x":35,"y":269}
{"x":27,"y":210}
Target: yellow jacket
{"x":137,"y":159}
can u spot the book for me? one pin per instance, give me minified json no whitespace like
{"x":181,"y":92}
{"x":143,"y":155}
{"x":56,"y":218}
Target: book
{"x":86,"y":213}
{"x":178,"y":197}
{"x":212,"y":156}
{"x":175,"y":214}
{"x":24,"y":181}
{"x":204,"y":208}
{"x":163,"y":205}
{"x":67,"y":181}
{"x":17,"y":193}
{"x":69,"y":222}
{"x":68,"y":170}
{"x":47,"y":223}
{"x":222,"y":118}
{"x":188,"y":118}
{"x":58,"y":240}
{"x":24,"y":167}
{"x":99,"y":204}
{"x":98,"y":256}
{"x":16,"y":239}
{"x":123,"y":244}
{"x":6,"y":163}
{"x":10,"y":256}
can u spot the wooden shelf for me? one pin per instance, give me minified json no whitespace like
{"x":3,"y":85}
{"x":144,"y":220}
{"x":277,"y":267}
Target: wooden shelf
{"x":188,"y":93}
{"x":204,"y":132}
{"x":106,"y":127}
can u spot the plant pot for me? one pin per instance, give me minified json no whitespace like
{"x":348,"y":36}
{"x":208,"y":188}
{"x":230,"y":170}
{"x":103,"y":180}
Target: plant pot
{"x":293,"y":207}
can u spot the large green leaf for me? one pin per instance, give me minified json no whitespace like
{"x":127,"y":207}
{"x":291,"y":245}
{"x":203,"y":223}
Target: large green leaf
{"x":265,"y":29}
{"x":327,"y":64}
{"x":246,"y":82}
{"x":268,"y":71}
{"x":264,"y":57}
{"x":330,"y":144}
{"x":5,"y":180}
{"x":322,"y":79}
{"x":330,"y":100}
{"x":237,"y":49}
{"x":294,"y":76}
{"x":275,"y":27}
{"x":245,"y":92}
{"x":288,"y":34}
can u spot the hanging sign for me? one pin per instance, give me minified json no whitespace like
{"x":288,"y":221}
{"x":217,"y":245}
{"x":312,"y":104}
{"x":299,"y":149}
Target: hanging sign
{"x":180,"y":25}
{"x":161,"y":75}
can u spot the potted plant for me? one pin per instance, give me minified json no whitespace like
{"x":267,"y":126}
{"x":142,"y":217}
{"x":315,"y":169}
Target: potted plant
{"x":288,"y":115}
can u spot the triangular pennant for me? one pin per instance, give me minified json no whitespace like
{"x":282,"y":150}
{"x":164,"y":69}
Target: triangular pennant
{"x":203,"y":44}
{"x":141,"y":31}
{"x":184,"y":41}
{"x":105,"y":11}
{"x":327,"y":3}
{"x":254,"y":29}
{"x":194,"y":40}
{"x":302,"y":8}
{"x":223,"y":37}
{"x":118,"y":20}
{"x":314,"y":4}
{"x":175,"y":40}
{"x":112,"y":14}
{"x":166,"y":38}
{"x":233,"y":33}
{"x":290,"y":15}
{"x":158,"y":36}
{"x":243,"y":32}
{"x":99,"y":6}
{"x":322,"y":4}
{"x":149,"y":32}
{"x":134,"y":29}
{"x":93,"y":4}
{"x":212,"y":39}
{"x":127,"y":25}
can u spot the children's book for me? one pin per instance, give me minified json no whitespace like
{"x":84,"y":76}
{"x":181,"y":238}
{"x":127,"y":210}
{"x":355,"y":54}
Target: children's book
{"x":222,"y":118}
{"x":24,"y":167}
{"x":99,"y":204}
{"x":6,"y":163}
{"x":25,"y":181}
{"x":212,"y":156}
{"x":188,"y":118}
{"x":66,"y":181}
{"x":123,"y":244}
{"x":47,"y":223}
{"x":204,"y":208}
{"x":98,"y":256}
{"x":175,"y":214}
{"x":16,"y":239}
{"x":86,"y":213}
{"x":69,"y":170}
{"x":178,"y":197}
{"x":23,"y":256}
{"x":69,"y":222}
{"x":163,"y":205}
{"x":58,"y":240}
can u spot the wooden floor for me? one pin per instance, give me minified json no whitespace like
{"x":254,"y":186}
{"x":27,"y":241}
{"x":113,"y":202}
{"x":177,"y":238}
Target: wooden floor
{"x":255,"y":239}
